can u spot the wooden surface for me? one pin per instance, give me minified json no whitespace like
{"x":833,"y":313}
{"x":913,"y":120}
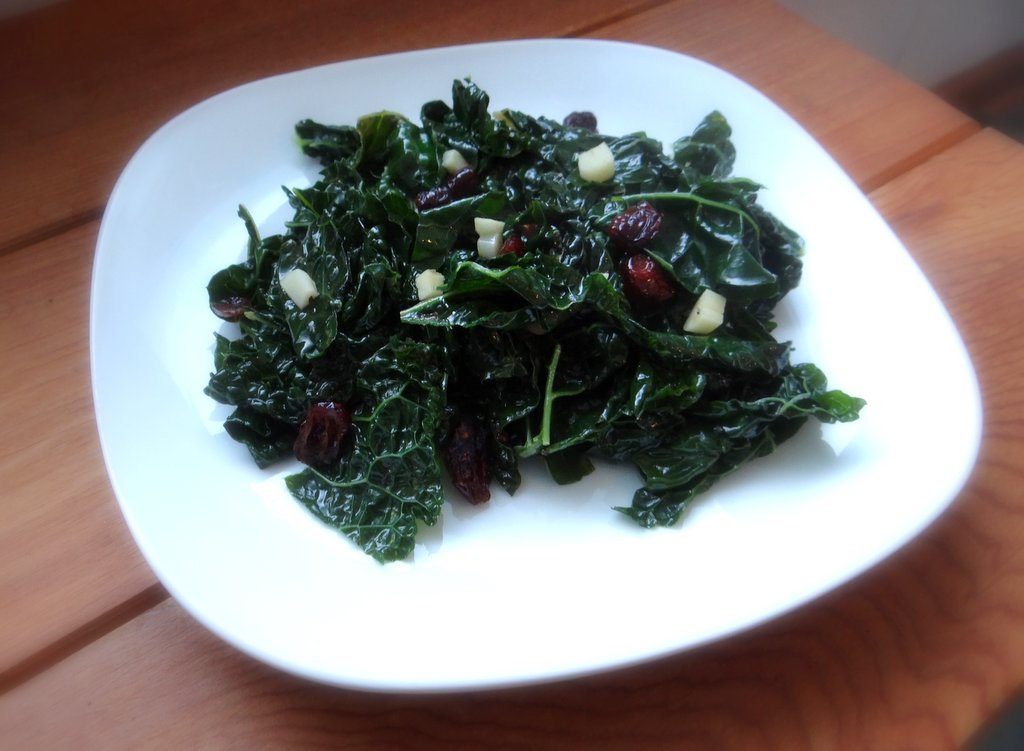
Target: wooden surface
{"x":916,"y":654}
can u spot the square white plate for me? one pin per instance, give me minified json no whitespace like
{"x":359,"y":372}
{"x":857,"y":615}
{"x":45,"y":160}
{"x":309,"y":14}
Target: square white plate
{"x":550,"y":583}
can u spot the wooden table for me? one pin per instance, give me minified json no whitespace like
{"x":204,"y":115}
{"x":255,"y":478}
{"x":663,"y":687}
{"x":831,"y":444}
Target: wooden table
{"x":918,"y":653}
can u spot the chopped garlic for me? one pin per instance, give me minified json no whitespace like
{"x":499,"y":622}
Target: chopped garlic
{"x":490,"y":232}
{"x":502,"y":117}
{"x":597,"y":165}
{"x":488,"y":227}
{"x":299,"y":286}
{"x":488,"y":247}
{"x":453,"y":162}
{"x":428,"y":284}
{"x":707,"y":314}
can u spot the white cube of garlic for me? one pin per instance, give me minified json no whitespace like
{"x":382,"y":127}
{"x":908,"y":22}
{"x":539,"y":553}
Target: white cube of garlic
{"x":488,"y":247}
{"x":453,"y":162}
{"x":488,"y":227}
{"x":300,"y":287}
{"x":707,"y":314}
{"x":428,"y":284}
{"x":491,"y":232}
{"x":597,"y":165}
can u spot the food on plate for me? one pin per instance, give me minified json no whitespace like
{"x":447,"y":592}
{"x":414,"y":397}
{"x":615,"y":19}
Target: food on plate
{"x":461,"y":293}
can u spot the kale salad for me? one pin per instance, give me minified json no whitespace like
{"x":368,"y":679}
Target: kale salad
{"x":457,"y":294}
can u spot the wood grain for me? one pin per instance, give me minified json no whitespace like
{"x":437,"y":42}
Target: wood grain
{"x":913,"y":655}
{"x":95,"y":78}
{"x":66,"y":557}
{"x":874,"y":122}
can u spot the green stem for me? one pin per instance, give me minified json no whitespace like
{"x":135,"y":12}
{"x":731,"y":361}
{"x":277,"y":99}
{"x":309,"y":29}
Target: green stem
{"x":785,"y":404}
{"x":549,"y":398}
{"x":305,"y":201}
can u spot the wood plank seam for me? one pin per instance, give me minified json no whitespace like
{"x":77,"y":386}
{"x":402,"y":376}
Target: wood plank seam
{"x":923,"y":155}
{"x":49,"y":231}
{"x":611,"y":20}
{"x":81,"y":637}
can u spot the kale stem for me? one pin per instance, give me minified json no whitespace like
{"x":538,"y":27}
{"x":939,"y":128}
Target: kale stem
{"x":785,"y":404}
{"x":304,"y":201}
{"x":549,"y":398}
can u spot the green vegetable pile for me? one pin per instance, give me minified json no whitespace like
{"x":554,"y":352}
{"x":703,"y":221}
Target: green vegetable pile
{"x":541,"y":350}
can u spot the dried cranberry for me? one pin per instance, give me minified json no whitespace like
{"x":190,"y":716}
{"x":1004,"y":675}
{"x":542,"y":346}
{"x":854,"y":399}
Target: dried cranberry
{"x":462,"y":184}
{"x":585,"y":120}
{"x":636,"y":226}
{"x":644,"y":281}
{"x":468,"y":460}
{"x":513,"y":244}
{"x":433,"y":197}
{"x":231,"y":308}
{"x":318,"y":443}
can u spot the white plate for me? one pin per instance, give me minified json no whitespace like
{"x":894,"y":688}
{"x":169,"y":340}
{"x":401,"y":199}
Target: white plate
{"x":551,"y":583}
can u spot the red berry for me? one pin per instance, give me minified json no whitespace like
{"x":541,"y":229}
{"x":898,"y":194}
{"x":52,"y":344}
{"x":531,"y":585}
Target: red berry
{"x":644,"y":281}
{"x":462,"y":184}
{"x":468,"y":460}
{"x":318,"y":443}
{"x":636,"y":226}
{"x":231,"y":308}
{"x":513,"y":244}
{"x":585,"y":120}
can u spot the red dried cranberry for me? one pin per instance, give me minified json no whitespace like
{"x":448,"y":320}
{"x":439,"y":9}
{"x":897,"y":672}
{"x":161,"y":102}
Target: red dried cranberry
{"x":318,"y":443}
{"x":585,"y":120}
{"x":462,"y":184}
{"x":468,"y":460}
{"x":513,"y":244}
{"x":231,"y":308}
{"x":644,"y":281}
{"x":433,"y":197}
{"x":636,"y":226}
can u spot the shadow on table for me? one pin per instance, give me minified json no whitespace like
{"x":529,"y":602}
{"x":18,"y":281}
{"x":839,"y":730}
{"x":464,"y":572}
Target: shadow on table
{"x":993,"y":93}
{"x":1005,"y":732}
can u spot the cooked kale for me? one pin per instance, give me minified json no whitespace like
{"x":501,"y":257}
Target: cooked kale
{"x":547,"y":348}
